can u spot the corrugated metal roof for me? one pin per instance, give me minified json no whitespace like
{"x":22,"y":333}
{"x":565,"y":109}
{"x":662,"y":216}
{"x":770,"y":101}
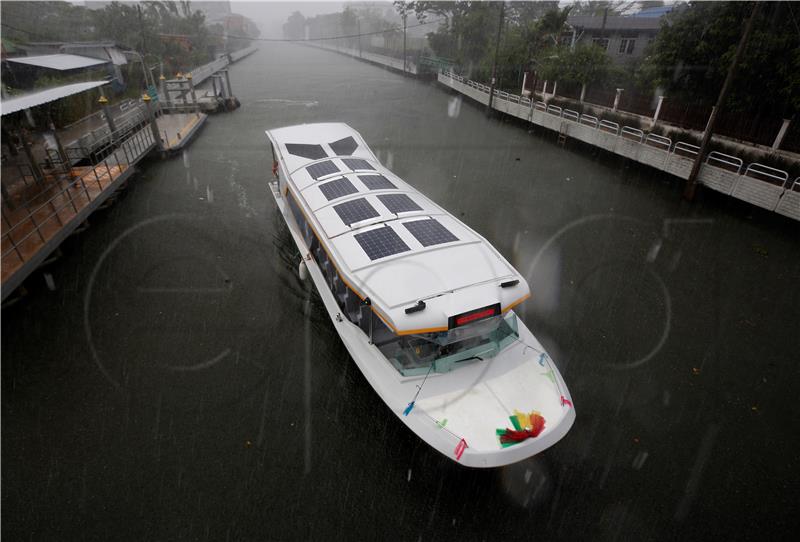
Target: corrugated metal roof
{"x":59,"y":62}
{"x":44,"y":96}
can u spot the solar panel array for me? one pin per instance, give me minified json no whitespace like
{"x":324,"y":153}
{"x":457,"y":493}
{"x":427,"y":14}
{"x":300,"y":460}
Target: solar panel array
{"x":381,"y":242}
{"x":356,"y":163}
{"x":355,"y":211}
{"x":337,"y":188}
{"x":430,"y":232}
{"x":315,"y":152}
{"x":344,"y":147}
{"x":398,"y":203}
{"x":376,"y":182}
{"x":323,"y":168}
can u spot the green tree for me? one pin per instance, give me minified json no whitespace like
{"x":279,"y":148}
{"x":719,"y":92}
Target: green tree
{"x":585,"y":64}
{"x":691,"y":55}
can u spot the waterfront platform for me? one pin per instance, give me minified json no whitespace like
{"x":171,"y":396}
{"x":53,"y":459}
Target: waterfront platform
{"x":178,"y":129}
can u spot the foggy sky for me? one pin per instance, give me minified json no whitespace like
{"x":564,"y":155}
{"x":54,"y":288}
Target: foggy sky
{"x":270,"y":16}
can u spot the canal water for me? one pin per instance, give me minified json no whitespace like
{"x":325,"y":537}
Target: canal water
{"x":179,"y":382}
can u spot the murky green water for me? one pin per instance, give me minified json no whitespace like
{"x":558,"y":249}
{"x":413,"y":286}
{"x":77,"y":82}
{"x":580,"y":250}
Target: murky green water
{"x":181,"y":383}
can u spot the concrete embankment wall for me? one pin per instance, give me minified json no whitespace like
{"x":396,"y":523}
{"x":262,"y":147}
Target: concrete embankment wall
{"x":383,"y":60}
{"x":760,"y":185}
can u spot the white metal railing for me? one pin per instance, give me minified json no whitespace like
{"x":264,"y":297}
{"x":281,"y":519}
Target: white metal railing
{"x":554,"y":110}
{"x":608,"y":126}
{"x":569,"y":114}
{"x":724,"y":161}
{"x":588,"y":120}
{"x":633,"y":134}
{"x":660,"y":142}
{"x":718,"y":159}
{"x":688,"y":148}
{"x":773,"y":175}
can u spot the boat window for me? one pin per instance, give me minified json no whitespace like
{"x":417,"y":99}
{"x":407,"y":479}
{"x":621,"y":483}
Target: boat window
{"x":344,"y":146}
{"x":321,"y":169}
{"x":430,"y":232}
{"x":376,"y":182}
{"x":315,"y":152}
{"x":399,"y":203}
{"x":414,"y":355}
{"x":337,"y":188}
{"x":381,"y":242}
{"x":355,"y":211}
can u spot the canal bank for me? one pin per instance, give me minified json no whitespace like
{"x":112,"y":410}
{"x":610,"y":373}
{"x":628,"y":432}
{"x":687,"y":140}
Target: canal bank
{"x":756,"y":183}
{"x":180,"y":381}
{"x":43,"y":204}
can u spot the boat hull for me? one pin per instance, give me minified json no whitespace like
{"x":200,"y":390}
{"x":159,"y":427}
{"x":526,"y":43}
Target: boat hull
{"x":459,"y":391}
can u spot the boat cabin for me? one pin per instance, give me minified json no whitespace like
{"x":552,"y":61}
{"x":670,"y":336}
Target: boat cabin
{"x":427,"y":290}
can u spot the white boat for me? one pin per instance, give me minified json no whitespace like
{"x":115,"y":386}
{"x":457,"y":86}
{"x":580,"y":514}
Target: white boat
{"x":423,"y":304}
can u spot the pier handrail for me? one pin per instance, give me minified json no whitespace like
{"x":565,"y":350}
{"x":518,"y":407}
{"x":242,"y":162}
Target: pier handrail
{"x":774,"y":175}
{"x":569,"y":114}
{"x":32,"y":213}
{"x":682,"y":146}
{"x":554,"y":110}
{"x":588,"y":120}
{"x":608,"y":126}
{"x":633,"y":134}
{"x":726,"y":159}
{"x":661,"y":142}
{"x":541,"y":106}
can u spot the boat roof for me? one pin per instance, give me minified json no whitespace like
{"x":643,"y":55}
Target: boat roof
{"x":389,"y":242}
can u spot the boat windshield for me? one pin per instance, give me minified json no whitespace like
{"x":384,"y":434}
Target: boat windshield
{"x":445,"y":351}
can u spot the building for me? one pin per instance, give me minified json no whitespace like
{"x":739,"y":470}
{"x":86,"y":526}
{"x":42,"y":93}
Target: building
{"x":623,"y":38}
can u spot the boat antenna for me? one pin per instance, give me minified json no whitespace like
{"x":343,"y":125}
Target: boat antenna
{"x":410,"y":406}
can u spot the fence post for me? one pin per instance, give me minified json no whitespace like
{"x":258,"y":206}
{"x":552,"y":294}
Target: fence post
{"x":103,"y":101}
{"x":658,"y":112}
{"x":616,"y":98}
{"x":153,"y":125}
{"x":194,"y":96}
{"x":781,"y":134}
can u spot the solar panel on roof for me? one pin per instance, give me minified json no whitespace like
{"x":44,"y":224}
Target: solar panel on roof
{"x":355,"y":211}
{"x":337,"y":188}
{"x":399,"y":203}
{"x":356,"y":163}
{"x":323,"y":168}
{"x":376,"y":182}
{"x":430,"y":232}
{"x":315,"y":152}
{"x":381,"y":242}
{"x":344,"y":146}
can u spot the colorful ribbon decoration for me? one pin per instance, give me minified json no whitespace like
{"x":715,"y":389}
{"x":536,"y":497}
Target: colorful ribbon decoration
{"x":462,"y":445}
{"x":525,"y":426}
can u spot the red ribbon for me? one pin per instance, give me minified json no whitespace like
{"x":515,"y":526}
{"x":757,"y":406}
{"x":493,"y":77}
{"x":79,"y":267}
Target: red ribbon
{"x":565,"y":401}
{"x":462,"y":444}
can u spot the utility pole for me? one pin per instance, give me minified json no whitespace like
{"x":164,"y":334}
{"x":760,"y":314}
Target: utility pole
{"x":691,"y":182}
{"x":404,"y":41}
{"x":496,"y":55}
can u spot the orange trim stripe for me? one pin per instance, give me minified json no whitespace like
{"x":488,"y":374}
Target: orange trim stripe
{"x":517,"y":302}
